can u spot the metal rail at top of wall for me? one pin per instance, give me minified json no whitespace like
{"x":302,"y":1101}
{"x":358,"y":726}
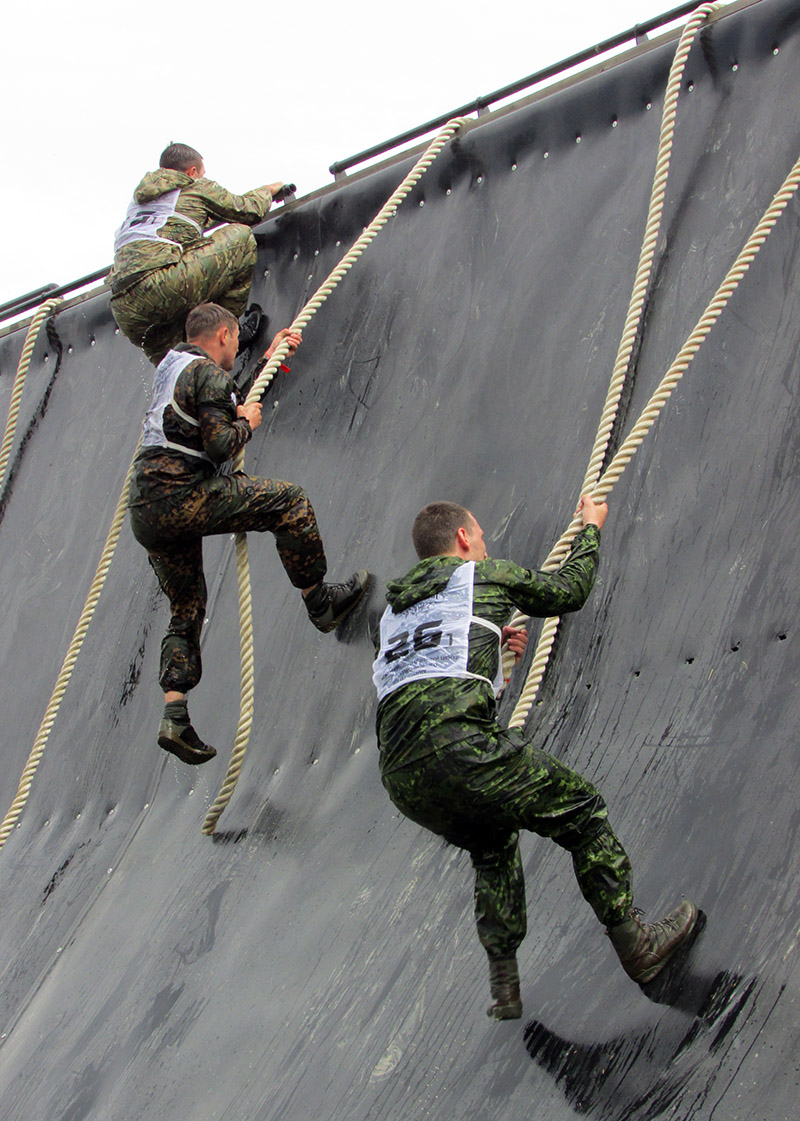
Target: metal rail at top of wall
{"x":48,"y":292}
{"x":481,"y":105}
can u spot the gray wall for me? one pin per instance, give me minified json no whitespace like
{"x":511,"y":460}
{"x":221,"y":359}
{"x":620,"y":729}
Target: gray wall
{"x":318,"y":960}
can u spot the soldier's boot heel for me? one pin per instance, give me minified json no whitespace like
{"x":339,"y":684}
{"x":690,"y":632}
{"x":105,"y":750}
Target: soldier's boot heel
{"x":250,"y":325}
{"x":182,"y":741}
{"x":504,"y":982}
{"x":328,"y":604}
{"x":645,"y":948}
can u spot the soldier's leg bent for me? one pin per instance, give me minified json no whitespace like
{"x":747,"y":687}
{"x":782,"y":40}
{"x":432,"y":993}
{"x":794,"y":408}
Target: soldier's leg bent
{"x":494,"y":785}
{"x":244,"y":503}
{"x":219,"y":271}
{"x":152,"y":313}
{"x":540,"y":794}
{"x":238,"y":245}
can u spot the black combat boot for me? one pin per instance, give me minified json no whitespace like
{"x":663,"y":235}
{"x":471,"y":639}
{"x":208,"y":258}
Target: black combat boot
{"x":504,"y":981}
{"x":328,"y":604}
{"x":176,"y":735}
{"x":645,"y":948}
{"x":249,"y":326}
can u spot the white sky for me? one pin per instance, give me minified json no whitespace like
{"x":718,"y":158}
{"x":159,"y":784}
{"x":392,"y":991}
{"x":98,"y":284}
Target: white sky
{"x":93,"y":90}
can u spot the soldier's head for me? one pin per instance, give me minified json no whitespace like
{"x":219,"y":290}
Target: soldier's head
{"x":445,"y":529}
{"x":180,"y":157}
{"x":216,"y":330}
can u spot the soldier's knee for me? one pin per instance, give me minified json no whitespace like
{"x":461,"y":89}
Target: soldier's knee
{"x":297,"y":517}
{"x":250,"y":249}
{"x":300,"y":502}
{"x":189,"y":623}
{"x":127,"y":322}
{"x":242,"y":239}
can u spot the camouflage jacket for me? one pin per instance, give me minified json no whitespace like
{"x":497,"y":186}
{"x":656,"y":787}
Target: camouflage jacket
{"x":422,"y":716}
{"x":207,"y":393}
{"x":202,"y":201}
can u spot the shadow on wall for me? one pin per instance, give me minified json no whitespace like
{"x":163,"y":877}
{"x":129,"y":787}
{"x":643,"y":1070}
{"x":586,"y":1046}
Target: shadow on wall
{"x":606,"y":1078}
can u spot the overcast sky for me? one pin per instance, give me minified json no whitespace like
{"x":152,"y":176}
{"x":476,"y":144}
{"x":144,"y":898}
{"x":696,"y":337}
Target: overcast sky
{"x":93,"y":90}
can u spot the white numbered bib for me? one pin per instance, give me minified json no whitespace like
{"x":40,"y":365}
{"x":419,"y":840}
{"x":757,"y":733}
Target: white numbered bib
{"x":166,"y":375}
{"x":431,"y":638}
{"x":144,"y":219}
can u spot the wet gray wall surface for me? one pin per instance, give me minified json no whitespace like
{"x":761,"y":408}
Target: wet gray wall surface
{"x":318,"y":958}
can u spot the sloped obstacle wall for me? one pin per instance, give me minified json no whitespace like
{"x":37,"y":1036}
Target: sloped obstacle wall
{"x":318,"y":958}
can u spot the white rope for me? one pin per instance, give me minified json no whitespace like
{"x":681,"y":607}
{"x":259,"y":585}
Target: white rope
{"x":602,"y":485}
{"x":260,"y":384}
{"x":39,"y":316}
{"x":25,"y":782}
{"x":632,"y":323}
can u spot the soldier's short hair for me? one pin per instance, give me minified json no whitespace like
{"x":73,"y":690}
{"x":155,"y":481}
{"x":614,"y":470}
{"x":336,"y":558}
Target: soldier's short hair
{"x":204,"y":320}
{"x":436,"y":525}
{"x":180,"y":157}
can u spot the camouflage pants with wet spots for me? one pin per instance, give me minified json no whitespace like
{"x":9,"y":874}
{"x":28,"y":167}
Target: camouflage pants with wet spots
{"x":172,"y":530}
{"x":479,"y":792}
{"x":152,"y":313}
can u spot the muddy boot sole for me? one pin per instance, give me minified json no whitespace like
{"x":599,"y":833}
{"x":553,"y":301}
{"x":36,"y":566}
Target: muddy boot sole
{"x":170,"y":739}
{"x":336,"y":621}
{"x":350,"y":628}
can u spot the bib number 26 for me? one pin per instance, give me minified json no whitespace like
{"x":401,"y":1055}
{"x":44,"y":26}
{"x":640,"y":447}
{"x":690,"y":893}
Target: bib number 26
{"x":425,"y":637}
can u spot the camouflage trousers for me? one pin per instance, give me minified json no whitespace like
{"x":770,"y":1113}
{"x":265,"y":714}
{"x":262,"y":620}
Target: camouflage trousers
{"x":172,"y":531}
{"x":478,"y":793}
{"x":152,"y":313}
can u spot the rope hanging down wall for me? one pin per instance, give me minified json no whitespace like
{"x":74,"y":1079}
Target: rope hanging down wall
{"x":245,"y":602}
{"x":12,"y":816}
{"x":602,"y":484}
{"x":42,"y":312}
{"x":67,"y":666}
{"x":242,"y":565}
{"x":633,"y":320}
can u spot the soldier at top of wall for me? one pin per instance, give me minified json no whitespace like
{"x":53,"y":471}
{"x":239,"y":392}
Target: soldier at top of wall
{"x":164,"y":265}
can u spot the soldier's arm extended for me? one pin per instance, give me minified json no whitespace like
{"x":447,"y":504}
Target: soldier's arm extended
{"x":539,"y":593}
{"x":224,"y":206}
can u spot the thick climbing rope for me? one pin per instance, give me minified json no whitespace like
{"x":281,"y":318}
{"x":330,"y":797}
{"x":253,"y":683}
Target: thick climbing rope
{"x":260,"y":384}
{"x":654,"y":406}
{"x":245,"y":603}
{"x":41,"y":314}
{"x":602,"y":484}
{"x":17,"y":806}
{"x":632,"y":323}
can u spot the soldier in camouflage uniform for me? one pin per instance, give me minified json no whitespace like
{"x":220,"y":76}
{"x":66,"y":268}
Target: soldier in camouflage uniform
{"x":179,"y":496}
{"x":448,"y":765}
{"x":164,"y":266}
